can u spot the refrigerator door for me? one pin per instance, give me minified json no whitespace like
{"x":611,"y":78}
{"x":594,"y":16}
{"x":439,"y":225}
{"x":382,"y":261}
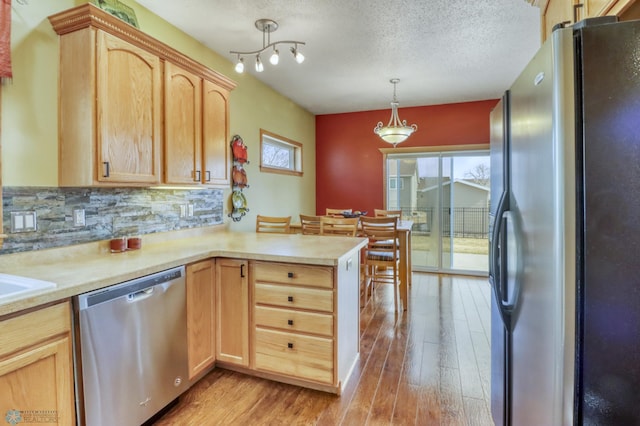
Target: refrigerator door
{"x":499,"y":345}
{"x":541,"y":134}
{"x":609,"y":283}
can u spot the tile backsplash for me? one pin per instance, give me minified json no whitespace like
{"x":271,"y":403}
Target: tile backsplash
{"x":109,"y":213}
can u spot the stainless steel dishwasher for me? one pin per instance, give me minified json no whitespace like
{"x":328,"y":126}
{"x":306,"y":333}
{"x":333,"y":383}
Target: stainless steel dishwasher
{"x":133,"y":348}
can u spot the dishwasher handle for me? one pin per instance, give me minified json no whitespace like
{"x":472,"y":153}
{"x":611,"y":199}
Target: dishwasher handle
{"x":134,"y":290}
{"x":140,"y":295}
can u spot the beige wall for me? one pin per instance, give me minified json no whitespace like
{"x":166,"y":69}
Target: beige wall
{"x":29,"y":112}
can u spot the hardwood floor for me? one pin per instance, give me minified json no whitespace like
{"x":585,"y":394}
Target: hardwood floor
{"x":430,"y":366}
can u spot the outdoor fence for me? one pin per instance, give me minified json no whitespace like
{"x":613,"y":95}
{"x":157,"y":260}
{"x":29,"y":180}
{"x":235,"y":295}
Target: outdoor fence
{"x":465,"y":222}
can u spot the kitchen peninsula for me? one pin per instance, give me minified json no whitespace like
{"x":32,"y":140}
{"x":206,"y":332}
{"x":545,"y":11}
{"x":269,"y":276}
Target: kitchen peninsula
{"x":298,"y":307}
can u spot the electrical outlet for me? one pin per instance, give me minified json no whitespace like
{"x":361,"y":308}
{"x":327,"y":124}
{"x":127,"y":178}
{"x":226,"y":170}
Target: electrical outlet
{"x":78,"y":217}
{"x":190,"y":210}
{"x":183,"y":210}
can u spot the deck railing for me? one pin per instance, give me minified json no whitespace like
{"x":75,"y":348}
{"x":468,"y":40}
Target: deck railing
{"x":465,"y":222}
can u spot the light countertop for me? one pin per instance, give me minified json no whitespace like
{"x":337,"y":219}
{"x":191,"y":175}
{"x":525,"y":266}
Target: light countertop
{"x":86,"y":267}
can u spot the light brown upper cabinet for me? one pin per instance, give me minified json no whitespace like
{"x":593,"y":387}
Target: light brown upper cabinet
{"x":183,"y":126}
{"x":554,"y":12}
{"x":113,"y":129}
{"x":195,"y":129}
{"x":215,"y":128}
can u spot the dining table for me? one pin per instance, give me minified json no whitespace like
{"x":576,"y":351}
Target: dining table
{"x":404,"y":242}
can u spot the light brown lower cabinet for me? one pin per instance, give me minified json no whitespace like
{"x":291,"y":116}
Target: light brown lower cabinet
{"x":305,"y":322}
{"x":232,"y":311}
{"x":36,"y":373}
{"x":288,"y":322}
{"x":201,"y":318}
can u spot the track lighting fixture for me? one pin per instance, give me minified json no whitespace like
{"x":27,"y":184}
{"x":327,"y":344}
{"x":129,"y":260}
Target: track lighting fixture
{"x":267,"y":26}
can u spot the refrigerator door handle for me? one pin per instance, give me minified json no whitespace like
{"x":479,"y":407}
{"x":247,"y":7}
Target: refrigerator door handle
{"x":510,"y":281}
{"x":497,"y":262}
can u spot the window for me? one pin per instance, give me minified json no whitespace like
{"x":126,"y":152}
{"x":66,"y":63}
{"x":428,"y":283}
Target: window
{"x":393,"y":183}
{"x":279,"y":154}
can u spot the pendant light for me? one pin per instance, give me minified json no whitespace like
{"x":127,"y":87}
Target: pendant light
{"x":397,"y":130}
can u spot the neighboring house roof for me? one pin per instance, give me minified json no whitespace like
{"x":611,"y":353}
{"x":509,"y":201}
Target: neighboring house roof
{"x":461,"y":181}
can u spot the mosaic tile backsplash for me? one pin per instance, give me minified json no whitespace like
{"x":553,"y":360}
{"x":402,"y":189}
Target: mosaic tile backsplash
{"x":109,"y":213}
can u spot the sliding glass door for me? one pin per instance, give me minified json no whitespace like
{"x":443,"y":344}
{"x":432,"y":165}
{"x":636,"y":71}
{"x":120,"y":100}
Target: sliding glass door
{"x":446,"y":195}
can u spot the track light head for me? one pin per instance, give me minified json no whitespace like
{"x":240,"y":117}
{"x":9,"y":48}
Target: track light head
{"x":240,"y":65}
{"x":275,"y":57}
{"x":259,"y":65}
{"x":297,"y":55}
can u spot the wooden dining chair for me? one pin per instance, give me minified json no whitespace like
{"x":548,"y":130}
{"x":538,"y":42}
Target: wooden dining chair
{"x":382,"y":255}
{"x":339,"y":226}
{"x":273,"y":224}
{"x":332,"y":212}
{"x":386,"y":213}
{"x":310,"y":224}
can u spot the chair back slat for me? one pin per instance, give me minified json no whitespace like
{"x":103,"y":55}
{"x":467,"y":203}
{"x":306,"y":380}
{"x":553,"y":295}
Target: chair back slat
{"x":339,"y":226}
{"x":310,"y":224}
{"x":273,"y":224}
{"x":386,"y":213}
{"x":334,"y":212}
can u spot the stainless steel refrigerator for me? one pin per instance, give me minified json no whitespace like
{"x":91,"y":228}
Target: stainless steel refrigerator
{"x":565,"y":232}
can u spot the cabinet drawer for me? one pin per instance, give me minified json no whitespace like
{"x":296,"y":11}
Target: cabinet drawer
{"x":314,"y":276}
{"x":294,"y":297}
{"x":304,"y":357}
{"x":306,"y":322}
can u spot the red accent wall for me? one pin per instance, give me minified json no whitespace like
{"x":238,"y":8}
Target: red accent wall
{"x":348,"y":160}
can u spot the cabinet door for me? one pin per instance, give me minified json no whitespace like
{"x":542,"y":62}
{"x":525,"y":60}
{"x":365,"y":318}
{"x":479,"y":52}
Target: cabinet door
{"x":610,"y":7}
{"x":36,"y":373}
{"x":183,"y":126}
{"x":200,"y":316}
{"x":232,"y":310}
{"x":128,"y":112}
{"x":557,"y":11}
{"x":214,"y":135}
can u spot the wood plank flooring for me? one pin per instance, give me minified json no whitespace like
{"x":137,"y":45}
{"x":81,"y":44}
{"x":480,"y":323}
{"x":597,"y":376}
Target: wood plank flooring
{"x":429,"y":366}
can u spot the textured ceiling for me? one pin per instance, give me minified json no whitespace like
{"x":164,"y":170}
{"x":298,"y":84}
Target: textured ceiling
{"x":442,"y":51}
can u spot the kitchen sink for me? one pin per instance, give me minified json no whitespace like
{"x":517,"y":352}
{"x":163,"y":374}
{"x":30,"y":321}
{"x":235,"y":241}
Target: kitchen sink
{"x":11,"y":285}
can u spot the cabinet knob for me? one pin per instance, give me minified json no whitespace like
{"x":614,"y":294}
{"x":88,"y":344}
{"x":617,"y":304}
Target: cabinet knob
{"x":290,"y":345}
{"x":289,"y":298}
{"x":290,"y":322}
{"x":290,"y":274}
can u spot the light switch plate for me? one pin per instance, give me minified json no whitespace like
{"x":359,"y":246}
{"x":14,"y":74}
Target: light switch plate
{"x":23,"y":221}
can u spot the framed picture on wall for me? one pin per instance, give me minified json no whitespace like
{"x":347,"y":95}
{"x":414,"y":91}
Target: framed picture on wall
{"x":118,"y":9}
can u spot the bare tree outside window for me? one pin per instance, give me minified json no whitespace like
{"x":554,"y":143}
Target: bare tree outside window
{"x":276,"y":156}
{"x":480,"y":174}
{"x":279,"y":154}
